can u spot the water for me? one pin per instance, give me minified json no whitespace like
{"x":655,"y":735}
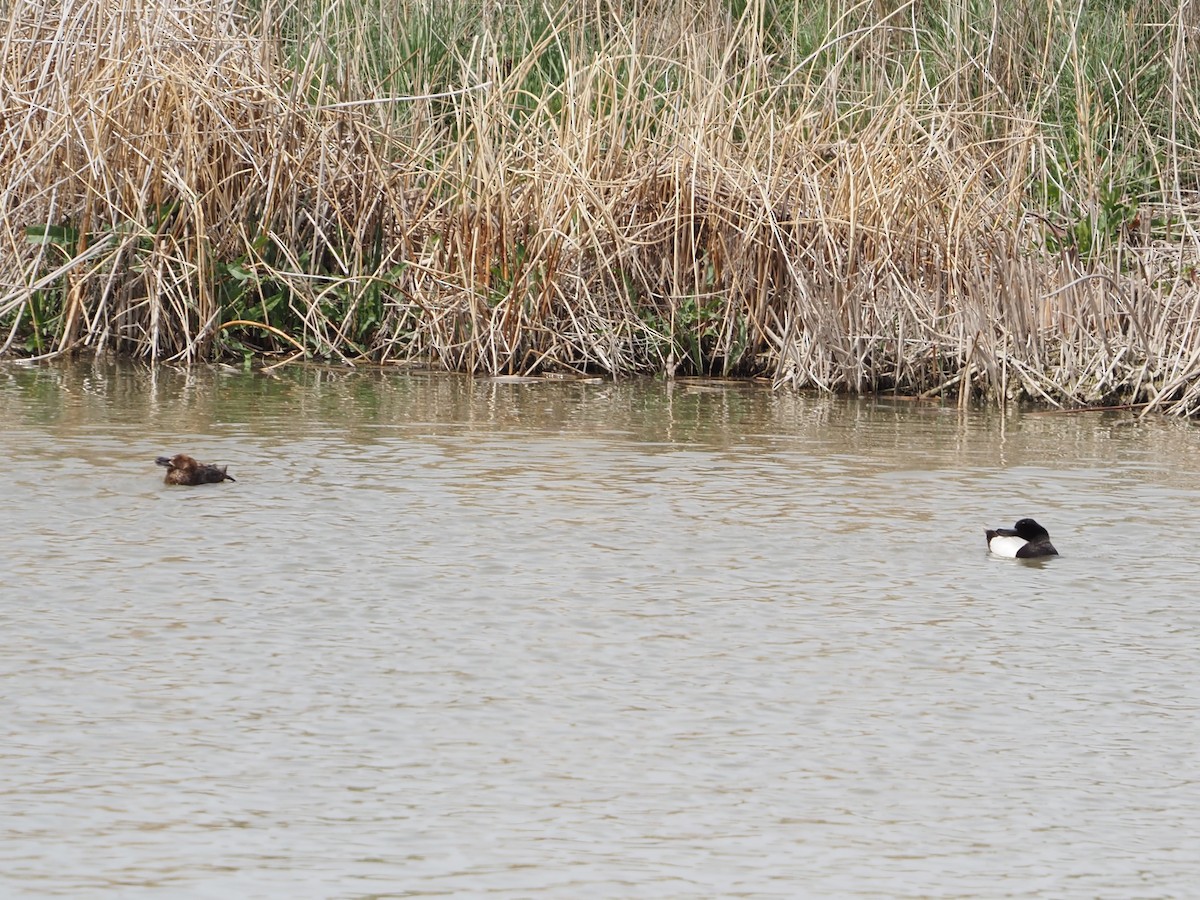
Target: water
{"x":464,"y":638}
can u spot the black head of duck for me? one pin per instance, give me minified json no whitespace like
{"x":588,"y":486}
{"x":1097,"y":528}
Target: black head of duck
{"x":182,"y":469}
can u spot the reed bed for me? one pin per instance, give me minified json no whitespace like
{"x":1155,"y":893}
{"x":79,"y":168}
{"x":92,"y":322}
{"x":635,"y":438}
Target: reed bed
{"x":957,"y":199}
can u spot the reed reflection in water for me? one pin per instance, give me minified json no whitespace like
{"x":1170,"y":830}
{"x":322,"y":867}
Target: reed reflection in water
{"x":460,"y":637}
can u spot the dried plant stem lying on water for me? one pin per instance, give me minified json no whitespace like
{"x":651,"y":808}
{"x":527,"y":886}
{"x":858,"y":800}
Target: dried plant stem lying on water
{"x":571,"y":192}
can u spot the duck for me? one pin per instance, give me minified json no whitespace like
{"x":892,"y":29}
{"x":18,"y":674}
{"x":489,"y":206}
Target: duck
{"x":1025,"y":540}
{"x":182,"y":469}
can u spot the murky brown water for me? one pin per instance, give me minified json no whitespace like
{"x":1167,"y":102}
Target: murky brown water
{"x":463,"y":638}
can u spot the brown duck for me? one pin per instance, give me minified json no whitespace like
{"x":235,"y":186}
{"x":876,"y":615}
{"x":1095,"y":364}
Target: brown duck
{"x":182,"y":469}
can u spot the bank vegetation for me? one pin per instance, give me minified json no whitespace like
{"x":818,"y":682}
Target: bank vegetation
{"x":955,"y":198}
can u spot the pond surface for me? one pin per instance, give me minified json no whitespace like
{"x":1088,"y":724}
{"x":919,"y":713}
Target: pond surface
{"x":447,"y":637}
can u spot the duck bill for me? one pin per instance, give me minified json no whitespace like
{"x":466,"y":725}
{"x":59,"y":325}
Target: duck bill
{"x":163,"y":461}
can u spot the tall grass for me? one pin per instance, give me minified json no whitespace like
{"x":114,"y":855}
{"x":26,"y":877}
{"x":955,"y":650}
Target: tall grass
{"x":956,"y":198}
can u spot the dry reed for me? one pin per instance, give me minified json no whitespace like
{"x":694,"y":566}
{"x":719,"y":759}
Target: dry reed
{"x":853,"y":197}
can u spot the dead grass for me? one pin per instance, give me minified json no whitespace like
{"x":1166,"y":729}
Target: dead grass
{"x":688,"y":192}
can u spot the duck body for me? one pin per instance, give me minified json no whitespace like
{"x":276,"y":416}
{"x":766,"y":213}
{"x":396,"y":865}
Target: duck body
{"x":1025,"y":540}
{"x":182,"y":469}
